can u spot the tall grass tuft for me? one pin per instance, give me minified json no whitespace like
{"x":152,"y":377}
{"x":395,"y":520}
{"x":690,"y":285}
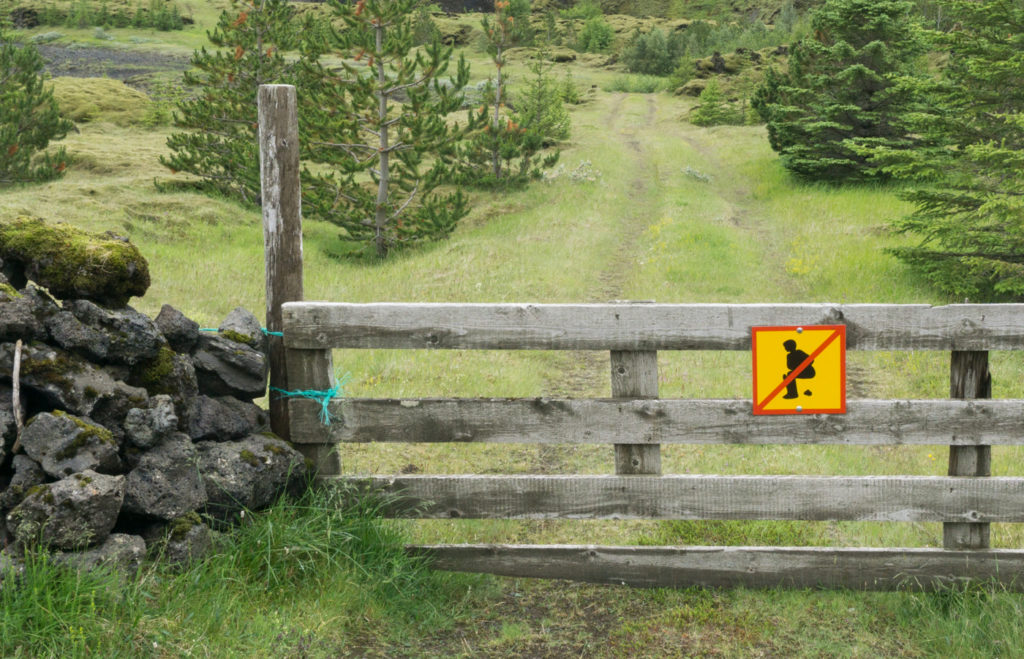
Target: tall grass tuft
{"x":326,"y":561}
{"x":48,"y":609}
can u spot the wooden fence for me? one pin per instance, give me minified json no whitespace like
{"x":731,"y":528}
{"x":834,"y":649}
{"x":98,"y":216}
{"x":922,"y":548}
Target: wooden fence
{"x":636,"y":422}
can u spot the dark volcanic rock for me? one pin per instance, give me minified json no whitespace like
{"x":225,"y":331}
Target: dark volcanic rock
{"x":23,"y":314}
{"x":74,"y":264}
{"x":119,"y":551}
{"x":169,"y":374}
{"x":248,"y":474}
{"x":224,"y":419}
{"x":180,"y":541}
{"x":243,"y":327}
{"x":147,"y":427}
{"x":73,"y":513}
{"x":27,"y":474}
{"x":119,"y":336}
{"x":67,"y":382}
{"x":228,"y":368}
{"x":181,"y":332}
{"x":65,"y":444}
{"x":8,"y":426}
{"x":166,"y":483}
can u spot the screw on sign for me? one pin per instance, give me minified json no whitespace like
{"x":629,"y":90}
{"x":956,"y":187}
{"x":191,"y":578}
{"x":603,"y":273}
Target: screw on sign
{"x":799,"y":369}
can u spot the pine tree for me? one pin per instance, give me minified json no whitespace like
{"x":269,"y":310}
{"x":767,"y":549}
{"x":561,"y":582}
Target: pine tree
{"x":841,"y":89}
{"x":968,"y":169}
{"x":220,"y":144}
{"x":29,"y":118}
{"x":380,"y":125}
{"x":504,"y":151}
{"x":714,"y":109}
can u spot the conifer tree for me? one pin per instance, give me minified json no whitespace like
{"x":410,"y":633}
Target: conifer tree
{"x":220,"y":143}
{"x":380,"y":126}
{"x":29,"y":118}
{"x":504,"y":150}
{"x":968,"y":169}
{"x":841,"y":89}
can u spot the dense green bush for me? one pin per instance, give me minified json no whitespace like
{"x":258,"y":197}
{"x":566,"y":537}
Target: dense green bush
{"x":583,"y":10}
{"x":841,"y":90}
{"x":653,"y":53}
{"x":596,"y":36}
{"x":714,"y":109}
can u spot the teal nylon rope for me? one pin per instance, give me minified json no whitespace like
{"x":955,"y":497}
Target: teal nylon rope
{"x":323,"y":396}
{"x":265,"y":331}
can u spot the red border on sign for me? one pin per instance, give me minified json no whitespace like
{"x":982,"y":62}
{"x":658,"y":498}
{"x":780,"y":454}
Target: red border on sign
{"x":839,"y":332}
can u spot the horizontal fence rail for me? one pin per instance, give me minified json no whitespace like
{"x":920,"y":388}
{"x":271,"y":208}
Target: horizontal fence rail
{"x":812,"y":498}
{"x":655,"y":421}
{"x":730,"y":567}
{"x":638,"y":327}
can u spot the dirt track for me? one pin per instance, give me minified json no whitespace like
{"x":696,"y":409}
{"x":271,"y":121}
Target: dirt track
{"x":90,"y":62}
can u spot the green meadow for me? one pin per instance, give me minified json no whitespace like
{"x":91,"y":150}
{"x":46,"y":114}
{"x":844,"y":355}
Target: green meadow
{"x":642,"y":206}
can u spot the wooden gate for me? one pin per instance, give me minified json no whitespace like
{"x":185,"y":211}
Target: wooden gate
{"x":636,"y":422}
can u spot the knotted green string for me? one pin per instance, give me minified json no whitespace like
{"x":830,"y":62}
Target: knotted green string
{"x":323,"y":396}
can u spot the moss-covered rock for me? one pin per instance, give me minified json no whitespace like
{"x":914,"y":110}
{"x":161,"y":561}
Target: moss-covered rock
{"x":74,"y":264}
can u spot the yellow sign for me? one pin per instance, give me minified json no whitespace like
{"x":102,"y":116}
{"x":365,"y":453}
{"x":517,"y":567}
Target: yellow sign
{"x":799,"y":370}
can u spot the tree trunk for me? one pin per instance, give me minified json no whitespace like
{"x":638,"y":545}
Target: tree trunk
{"x":496,"y":124}
{"x":381,"y":216}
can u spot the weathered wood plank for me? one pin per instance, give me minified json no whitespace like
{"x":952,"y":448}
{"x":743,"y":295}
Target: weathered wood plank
{"x":968,"y":379}
{"x":312,"y":369}
{"x":861,"y":498}
{"x":661,"y":421}
{"x":631,"y":327}
{"x":282,"y":225}
{"x":730,"y":567}
{"x":635,"y":375}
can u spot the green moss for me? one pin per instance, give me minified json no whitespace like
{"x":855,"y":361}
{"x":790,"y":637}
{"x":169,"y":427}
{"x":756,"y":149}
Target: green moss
{"x":237,"y":337}
{"x":274,"y":448}
{"x":249,"y":458}
{"x":179,"y":527}
{"x":9,"y":291}
{"x":88,"y":434}
{"x":43,"y":492}
{"x":99,"y":99}
{"x":82,"y":480}
{"x":50,"y":371}
{"x":73,"y":263}
{"x":153,"y":375}
{"x":90,"y":392}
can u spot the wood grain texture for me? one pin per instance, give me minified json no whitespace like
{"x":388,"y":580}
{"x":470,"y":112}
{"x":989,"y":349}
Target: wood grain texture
{"x":313,"y":369}
{"x":631,"y":327}
{"x":861,"y":498}
{"x":969,"y":378}
{"x":635,"y":375}
{"x":282,"y":225}
{"x":661,"y":421}
{"x":730,"y":567}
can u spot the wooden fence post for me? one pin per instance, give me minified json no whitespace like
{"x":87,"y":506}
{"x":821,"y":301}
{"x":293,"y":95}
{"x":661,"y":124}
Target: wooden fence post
{"x":282,"y":227}
{"x":968,"y":378}
{"x":635,"y":375}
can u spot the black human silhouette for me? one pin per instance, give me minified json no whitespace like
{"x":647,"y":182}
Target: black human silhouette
{"x":793,"y":360}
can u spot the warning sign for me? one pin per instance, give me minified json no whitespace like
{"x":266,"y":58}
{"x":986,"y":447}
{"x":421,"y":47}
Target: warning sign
{"x":799,"y":370}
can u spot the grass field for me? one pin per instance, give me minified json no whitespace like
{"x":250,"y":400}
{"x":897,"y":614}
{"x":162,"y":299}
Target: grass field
{"x":676,"y":213}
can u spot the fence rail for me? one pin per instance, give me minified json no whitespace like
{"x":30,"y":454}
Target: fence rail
{"x":643,"y":327}
{"x":655,"y":421}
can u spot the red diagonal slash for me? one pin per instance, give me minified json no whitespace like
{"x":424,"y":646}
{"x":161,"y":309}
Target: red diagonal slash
{"x":799,"y":369}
